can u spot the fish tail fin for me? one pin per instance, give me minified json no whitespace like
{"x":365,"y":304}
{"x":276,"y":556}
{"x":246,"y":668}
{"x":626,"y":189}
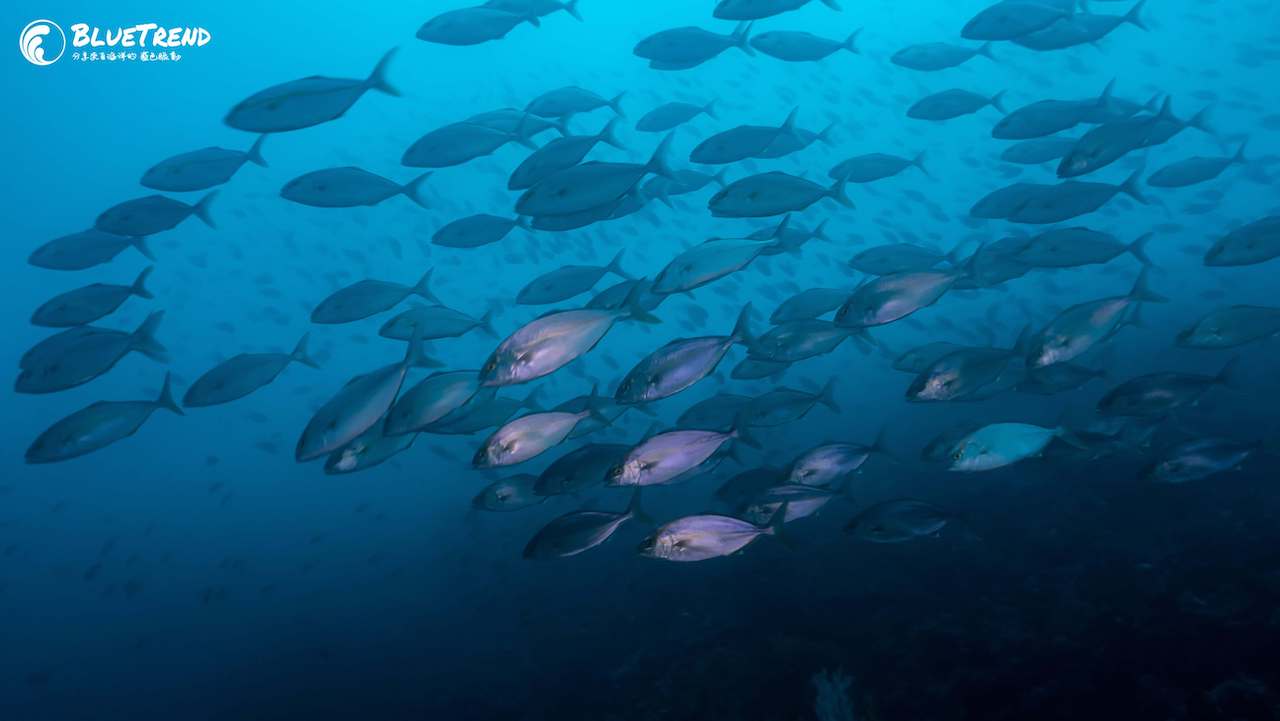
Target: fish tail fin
{"x":254,"y":153}
{"x":140,"y":242}
{"x":486,"y":323}
{"x":777,"y":522}
{"x":1138,"y":249}
{"x":571,"y":7}
{"x":1153,"y":104}
{"x":1134,"y":16}
{"x":1133,"y":318}
{"x":827,"y":396}
{"x":742,"y":38}
{"x":918,"y":161}
{"x":710,"y":109}
{"x":530,"y":401}
{"x":851,"y":42}
{"x":615,"y":104}
{"x":1166,"y":110}
{"x":1142,"y":292}
{"x":985,"y":51}
{"x":820,"y":230}
{"x":633,"y":310}
{"x":824,"y":136}
{"x":721,"y":178}
{"x":1230,"y":375}
{"x":166,"y":400}
{"x":423,"y":287}
{"x":833,"y":5}
{"x":997,"y":102}
{"x":201,"y":209}
{"x":1200,"y":121}
{"x":880,"y":445}
{"x":615,"y":266}
{"x":414,"y":356}
{"x":837,"y":193}
{"x":608,"y":134}
{"x":144,"y":340}
{"x":1239,"y":156}
{"x":1104,"y":100}
{"x":300,"y":355}
{"x":413,"y":189}
{"x":1130,"y":187}
{"x":139,"y":287}
{"x":377,"y":79}
{"x":635,"y":511}
{"x":742,"y":328}
{"x":658,"y":161}
{"x":741,"y":430}
{"x":788,"y":126}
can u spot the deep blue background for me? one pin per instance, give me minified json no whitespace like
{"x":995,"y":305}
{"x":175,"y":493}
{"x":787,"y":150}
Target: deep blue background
{"x":195,"y":571}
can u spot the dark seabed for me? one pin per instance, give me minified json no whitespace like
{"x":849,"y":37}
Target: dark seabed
{"x":735,"y":361}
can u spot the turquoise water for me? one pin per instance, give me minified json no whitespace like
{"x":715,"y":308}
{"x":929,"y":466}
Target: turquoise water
{"x":196,"y":571}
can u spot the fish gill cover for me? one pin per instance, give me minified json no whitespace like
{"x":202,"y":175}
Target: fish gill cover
{"x":604,"y":360}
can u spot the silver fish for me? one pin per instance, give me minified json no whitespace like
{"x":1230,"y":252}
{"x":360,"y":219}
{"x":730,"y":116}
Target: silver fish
{"x":92,"y":302}
{"x":580,"y":531}
{"x":243,"y":374}
{"x":303,"y":103}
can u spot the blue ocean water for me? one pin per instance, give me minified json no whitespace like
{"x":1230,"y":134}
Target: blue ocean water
{"x":196,"y":571}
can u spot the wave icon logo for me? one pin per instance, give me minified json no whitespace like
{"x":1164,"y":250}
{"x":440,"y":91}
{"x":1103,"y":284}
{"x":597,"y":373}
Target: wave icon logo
{"x":32,"y":42}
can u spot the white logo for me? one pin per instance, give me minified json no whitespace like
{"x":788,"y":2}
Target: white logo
{"x":31,"y":42}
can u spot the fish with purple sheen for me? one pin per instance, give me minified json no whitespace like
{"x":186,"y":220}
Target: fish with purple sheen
{"x":526,"y":437}
{"x":681,"y":363}
{"x":664,"y":457}
{"x":1231,"y":326}
{"x":798,"y":340}
{"x":889,"y":298}
{"x":431,"y":401}
{"x":78,"y":355}
{"x":1158,"y":394}
{"x":579,"y":469}
{"x":362,"y":402}
{"x":1081,"y":327}
{"x":829,"y":462}
{"x":706,"y":536}
{"x":97,"y":426}
{"x":898,"y":521}
{"x":1200,"y":458}
{"x":801,"y":501}
{"x":579,"y":531}
{"x":546,"y":344}
{"x":508,"y":494}
{"x":369,"y":297}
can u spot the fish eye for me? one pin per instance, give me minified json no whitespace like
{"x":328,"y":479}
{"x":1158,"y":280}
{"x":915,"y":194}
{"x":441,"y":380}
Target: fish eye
{"x":957,"y":455}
